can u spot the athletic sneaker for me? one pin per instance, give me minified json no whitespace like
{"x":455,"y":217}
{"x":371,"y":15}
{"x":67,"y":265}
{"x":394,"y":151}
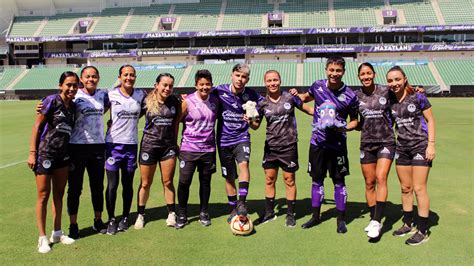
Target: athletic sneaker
{"x":267,"y":217}
{"x":367,"y":228}
{"x":341,"y":227}
{"x":417,"y":239}
{"x":404,"y":230}
{"x":171,"y":220}
{"x":231,"y":215}
{"x":204,"y":219}
{"x":123,"y":224}
{"x":312,"y":222}
{"x":74,"y":231}
{"x":140,"y":222}
{"x":99,"y":226}
{"x":374,"y":229}
{"x":181,"y":221}
{"x":43,"y":245}
{"x":290,"y":220}
{"x":112,"y":227}
{"x":59,"y":237}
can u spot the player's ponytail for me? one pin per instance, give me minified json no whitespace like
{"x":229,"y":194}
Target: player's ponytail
{"x":151,"y":101}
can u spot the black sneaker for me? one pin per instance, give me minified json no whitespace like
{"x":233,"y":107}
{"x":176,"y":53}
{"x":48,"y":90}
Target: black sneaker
{"x":312,"y":222}
{"x":74,"y":231}
{"x":99,"y":226}
{"x":231,"y":215}
{"x":341,"y":227}
{"x":123,"y":224}
{"x":267,"y":217}
{"x":417,"y":239}
{"x":290,"y":220}
{"x":112,"y":227}
{"x":404,"y":230}
{"x":204,"y":219}
{"x":181,"y":221}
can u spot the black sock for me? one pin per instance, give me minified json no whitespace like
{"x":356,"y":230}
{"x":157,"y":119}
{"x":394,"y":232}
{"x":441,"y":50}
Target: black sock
{"x":379,"y":208}
{"x":269,"y":202}
{"x":141,"y":209}
{"x":408,"y":218}
{"x":372,"y":212}
{"x":171,"y":208}
{"x":232,"y":200}
{"x":243,"y":190}
{"x":316,"y":212}
{"x":341,"y":215}
{"x":291,"y":206}
{"x":423,"y":224}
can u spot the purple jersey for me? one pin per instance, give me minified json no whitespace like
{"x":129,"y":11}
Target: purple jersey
{"x":411,"y":126}
{"x":160,"y":128}
{"x":56,"y":132}
{"x":375,"y":116}
{"x":281,"y":121}
{"x":346,"y":104}
{"x":198,"y":130}
{"x":231,"y":128}
{"x":89,"y":127}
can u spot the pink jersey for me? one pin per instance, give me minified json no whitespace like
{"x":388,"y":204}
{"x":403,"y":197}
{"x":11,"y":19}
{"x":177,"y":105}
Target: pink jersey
{"x":198,"y":132}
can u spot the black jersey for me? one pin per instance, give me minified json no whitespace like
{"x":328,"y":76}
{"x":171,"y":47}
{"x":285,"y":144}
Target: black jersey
{"x":411,"y":126}
{"x":375,"y":116}
{"x":56,"y":132}
{"x":160,"y":128}
{"x":281,"y":121}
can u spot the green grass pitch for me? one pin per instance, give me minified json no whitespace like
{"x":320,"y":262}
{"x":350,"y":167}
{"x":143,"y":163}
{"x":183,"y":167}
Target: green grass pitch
{"x":450,"y":187}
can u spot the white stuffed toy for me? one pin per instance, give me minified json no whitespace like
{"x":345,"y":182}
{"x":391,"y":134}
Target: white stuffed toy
{"x":250,"y":108}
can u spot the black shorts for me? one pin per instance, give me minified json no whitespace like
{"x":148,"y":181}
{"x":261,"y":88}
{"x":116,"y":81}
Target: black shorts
{"x":239,"y":152}
{"x":371,"y":152}
{"x":414,"y":156}
{"x":285,"y":157}
{"x":204,"y":161}
{"x":81,"y":153}
{"x":152,"y":155}
{"x":46,"y":165}
{"x":322,"y":160}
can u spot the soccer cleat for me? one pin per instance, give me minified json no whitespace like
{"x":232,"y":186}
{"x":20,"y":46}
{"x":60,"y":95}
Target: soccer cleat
{"x":404,"y":230}
{"x":123,"y":224}
{"x":367,"y":228}
{"x":181,"y":221}
{"x":312,"y":222}
{"x":341,"y":227}
{"x":417,"y":239}
{"x":290,"y":220}
{"x":171,"y":220}
{"x":267,"y":217}
{"x":374,"y":229}
{"x":43,"y":245}
{"x":74,"y":231}
{"x":59,"y":237}
{"x":140,"y":222}
{"x":231,"y":215}
{"x":112,"y":227}
{"x":99,"y":226}
{"x":204,"y":219}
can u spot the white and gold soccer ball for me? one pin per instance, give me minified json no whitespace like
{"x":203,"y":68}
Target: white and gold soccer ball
{"x":241,"y":225}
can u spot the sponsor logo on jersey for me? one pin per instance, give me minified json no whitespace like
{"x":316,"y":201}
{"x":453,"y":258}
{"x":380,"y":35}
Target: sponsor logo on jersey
{"x":361,"y":103}
{"x":245,"y":97}
{"x":419,"y":157}
{"x":320,"y":89}
{"x":267,"y":111}
{"x":341,"y":97}
{"x":61,"y":114}
{"x":343,"y":169}
{"x":385,"y":151}
{"x":173,"y":110}
{"x":182,"y":164}
{"x":224,"y":171}
{"x":411,"y":108}
{"x":287,"y":106}
{"x":145,"y":156}
{"x":235,"y":105}
{"x":46,"y":164}
{"x":111,"y":160}
{"x":117,"y":103}
{"x":382,"y":100}
{"x":225,"y":95}
{"x":362,"y":154}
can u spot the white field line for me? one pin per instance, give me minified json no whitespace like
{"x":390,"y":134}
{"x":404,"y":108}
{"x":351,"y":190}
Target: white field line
{"x":12,"y":164}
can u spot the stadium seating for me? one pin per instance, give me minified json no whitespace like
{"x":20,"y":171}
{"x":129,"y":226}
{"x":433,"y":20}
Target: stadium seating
{"x":198,"y":16}
{"x":287,"y":71}
{"x":42,"y":77}
{"x":457,"y":11}
{"x":8,"y":75}
{"x":220,"y":73}
{"x":456,"y":72}
{"x":356,"y":13}
{"x":306,"y":13}
{"x":144,"y":18}
{"x":313,"y":71}
{"x":245,"y":14}
{"x":110,"y":20}
{"x":25,"y":26}
{"x":416,"y":13}
{"x":60,"y":24}
{"x":147,"y":77}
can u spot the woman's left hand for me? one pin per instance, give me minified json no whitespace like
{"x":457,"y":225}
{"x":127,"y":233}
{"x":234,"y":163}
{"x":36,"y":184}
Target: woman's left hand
{"x":430,"y":152}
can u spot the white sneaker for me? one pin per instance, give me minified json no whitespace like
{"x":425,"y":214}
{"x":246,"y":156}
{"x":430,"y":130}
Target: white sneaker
{"x":367,"y":228}
{"x":59,"y":237}
{"x":374,"y":230}
{"x":43,"y":245}
{"x":171,"y":220}
{"x":140,"y":222}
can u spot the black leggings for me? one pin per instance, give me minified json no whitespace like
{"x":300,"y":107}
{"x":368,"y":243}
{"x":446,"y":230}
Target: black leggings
{"x":90,"y":157}
{"x":127,"y":191}
{"x":204,"y":191}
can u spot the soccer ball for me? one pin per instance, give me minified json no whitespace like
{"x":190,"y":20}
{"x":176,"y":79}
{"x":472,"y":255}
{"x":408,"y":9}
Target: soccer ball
{"x":241,"y":225}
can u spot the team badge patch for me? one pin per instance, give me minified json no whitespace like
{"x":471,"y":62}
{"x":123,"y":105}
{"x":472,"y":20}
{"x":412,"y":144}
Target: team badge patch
{"x":111,"y":160}
{"x":411,"y":108}
{"x":287,"y":106}
{"x":341,"y":97}
{"x":145,"y":156}
{"x":46,"y":164}
{"x":182,"y":164}
{"x":173,"y":110}
{"x":382,"y":100}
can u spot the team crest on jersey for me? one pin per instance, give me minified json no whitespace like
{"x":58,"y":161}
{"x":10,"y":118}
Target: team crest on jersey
{"x":173,"y":110}
{"x":287,"y":106}
{"x":362,"y":154}
{"x":382,"y":100}
{"x":145,"y":156}
{"x":111,"y":160}
{"x":182,"y":164}
{"x":245,"y":97}
{"x":46,"y":164}
{"x":341,"y":97}
{"x":411,"y":108}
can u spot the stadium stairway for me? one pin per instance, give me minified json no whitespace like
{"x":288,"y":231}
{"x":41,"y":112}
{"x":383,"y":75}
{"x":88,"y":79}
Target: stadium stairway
{"x":437,"y":11}
{"x":17,"y":79}
{"x":299,"y":74}
{"x":186,"y":74}
{"x":126,"y":21}
{"x":331,"y":13}
{"x":40,"y":28}
{"x":437,"y":76}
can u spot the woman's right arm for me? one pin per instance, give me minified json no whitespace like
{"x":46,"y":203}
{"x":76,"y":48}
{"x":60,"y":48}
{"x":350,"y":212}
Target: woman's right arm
{"x":34,"y":140}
